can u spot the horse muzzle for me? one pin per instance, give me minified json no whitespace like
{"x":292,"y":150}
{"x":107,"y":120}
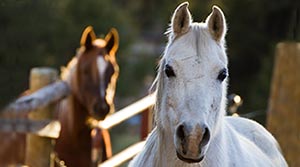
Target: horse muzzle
{"x":100,"y":110}
{"x":191,"y":141}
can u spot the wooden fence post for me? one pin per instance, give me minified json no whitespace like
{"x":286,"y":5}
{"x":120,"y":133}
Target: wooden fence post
{"x":38,"y":149}
{"x":146,"y":123}
{"x":284,"y":104}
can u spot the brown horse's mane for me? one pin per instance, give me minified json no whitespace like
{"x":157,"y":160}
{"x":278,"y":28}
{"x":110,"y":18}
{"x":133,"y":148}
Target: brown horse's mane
{"x":67,"y":71}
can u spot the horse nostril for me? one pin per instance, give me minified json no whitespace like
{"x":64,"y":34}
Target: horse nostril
{"x":100,"y":111}
{"x":101,"y":107}
{"x":104,"y":107}
{"x":205,"y":138}
{"x":96,"y":107}
{"x":180,"y":132}
{"x":191,"y":139}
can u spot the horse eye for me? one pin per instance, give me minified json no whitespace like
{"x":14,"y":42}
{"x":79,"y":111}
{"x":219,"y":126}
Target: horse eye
{"x":169,"y":71}
{"x":222,"y":75}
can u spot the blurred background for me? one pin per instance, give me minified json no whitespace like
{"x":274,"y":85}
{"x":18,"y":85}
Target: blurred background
{"x":47,"y":32}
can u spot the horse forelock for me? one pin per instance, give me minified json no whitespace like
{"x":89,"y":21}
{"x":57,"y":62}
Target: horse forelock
{"x":99,"y":43}
{"x":198,"y":29}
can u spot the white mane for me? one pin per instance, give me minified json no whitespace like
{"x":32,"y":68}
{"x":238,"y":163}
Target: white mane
{"x":191,"y":126}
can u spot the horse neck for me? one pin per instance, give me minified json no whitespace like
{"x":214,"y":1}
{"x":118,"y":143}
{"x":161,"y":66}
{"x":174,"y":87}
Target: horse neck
{"x":75,"y":112}
{"x":73,"y":120}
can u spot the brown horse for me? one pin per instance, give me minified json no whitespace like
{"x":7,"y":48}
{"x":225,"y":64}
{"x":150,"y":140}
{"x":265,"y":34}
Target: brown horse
{"x":92,"y":76}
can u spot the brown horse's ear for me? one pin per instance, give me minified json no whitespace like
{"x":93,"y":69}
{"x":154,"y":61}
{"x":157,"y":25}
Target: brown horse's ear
{"x":87,"y":37}
{"x":112,"y":41}
{"x":181,"y":19}
{"x":217,"y":24}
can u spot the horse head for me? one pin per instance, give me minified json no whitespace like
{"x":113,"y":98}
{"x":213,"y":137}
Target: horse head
{"x":191,"y":84}
{"x":96,"y":73}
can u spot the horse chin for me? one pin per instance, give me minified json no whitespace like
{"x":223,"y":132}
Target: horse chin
{"x":189,"y":160}
{"x":99,"y":116}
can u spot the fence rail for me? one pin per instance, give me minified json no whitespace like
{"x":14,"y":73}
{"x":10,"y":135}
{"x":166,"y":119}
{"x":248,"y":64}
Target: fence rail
{"x":127,"y":112}
{"x":124,"y":155}
{"x":43,"y":97}
{"x":43,"y":128}
{"x":124,"y":114}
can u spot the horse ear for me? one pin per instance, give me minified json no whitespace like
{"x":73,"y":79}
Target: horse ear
{"x":217,"y":24}
{"x":112,"y":41}
{"x":181,"y":19}
{"x":87,"y":37}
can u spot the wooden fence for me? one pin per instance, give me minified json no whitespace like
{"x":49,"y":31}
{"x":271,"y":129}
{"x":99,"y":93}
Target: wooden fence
{"x":42,"y":129}
{"x":284,"y":103}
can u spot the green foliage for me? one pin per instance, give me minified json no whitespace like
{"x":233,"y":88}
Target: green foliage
{"x":254,"y":29}
{"x":47,"y":33}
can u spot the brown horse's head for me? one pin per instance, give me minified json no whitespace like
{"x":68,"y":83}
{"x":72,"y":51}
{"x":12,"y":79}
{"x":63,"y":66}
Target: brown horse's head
{"x":96,"y":73}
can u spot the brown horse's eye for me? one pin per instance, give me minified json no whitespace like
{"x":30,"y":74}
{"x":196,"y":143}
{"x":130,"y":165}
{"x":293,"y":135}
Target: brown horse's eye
{"x":169,"y":71}
{"x":222,"y":74}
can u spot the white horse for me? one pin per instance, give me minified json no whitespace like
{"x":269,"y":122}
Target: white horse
{"x":191,"y":126}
